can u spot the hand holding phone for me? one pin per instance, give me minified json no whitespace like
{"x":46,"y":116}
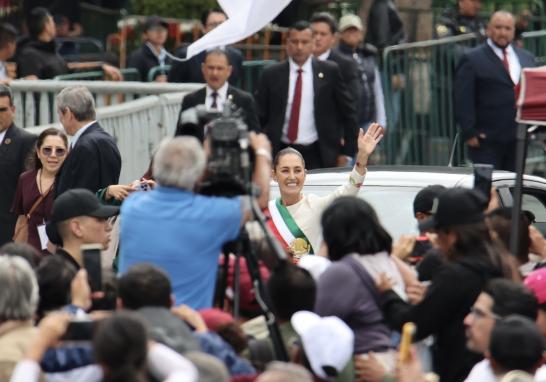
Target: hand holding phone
{"x":91,"y":255}
{"x":483,"y":176}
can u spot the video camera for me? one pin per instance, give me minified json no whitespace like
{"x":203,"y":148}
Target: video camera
{"x":228,"y":168}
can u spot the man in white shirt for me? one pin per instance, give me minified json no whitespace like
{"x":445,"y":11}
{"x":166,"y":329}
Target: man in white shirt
{"x":486,"y":86}
{"x":216,"y":70}
{"x":304,"y":103}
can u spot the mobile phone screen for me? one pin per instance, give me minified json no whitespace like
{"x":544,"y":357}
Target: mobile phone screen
{"x":91,"y":254}
{"x":483,"y":174}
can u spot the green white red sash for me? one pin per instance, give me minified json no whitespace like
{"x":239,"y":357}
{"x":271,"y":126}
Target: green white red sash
{"x":283,"y":224}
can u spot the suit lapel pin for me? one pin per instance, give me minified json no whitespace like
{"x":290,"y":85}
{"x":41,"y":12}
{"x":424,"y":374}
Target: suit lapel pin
{"x":7,"y":141}
{"x":320,"y":75}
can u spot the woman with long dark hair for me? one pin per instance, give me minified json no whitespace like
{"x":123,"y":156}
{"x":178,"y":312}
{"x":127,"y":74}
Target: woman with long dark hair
{"x":34,"y":196}
{"x":472,"y":258}
{"x":359,"y":247}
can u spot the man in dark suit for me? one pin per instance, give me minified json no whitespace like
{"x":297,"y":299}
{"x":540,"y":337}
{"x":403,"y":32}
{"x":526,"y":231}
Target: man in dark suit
{"x":94,"y":161}
{"x":304,"y":103}
{"x":15,"y":146}
{"x":486,"y":83}
{"x":216,"y":70}
{"x":324,"y":27}
{"x":190,"y":71}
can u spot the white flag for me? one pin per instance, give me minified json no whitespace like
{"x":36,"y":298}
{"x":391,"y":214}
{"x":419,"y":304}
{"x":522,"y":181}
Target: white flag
{"x":245,"y":17}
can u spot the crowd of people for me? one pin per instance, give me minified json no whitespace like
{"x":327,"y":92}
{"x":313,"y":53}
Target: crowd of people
{"x":152,"y":280}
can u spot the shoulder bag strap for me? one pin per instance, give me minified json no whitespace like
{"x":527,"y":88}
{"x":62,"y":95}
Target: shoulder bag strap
{"x":38,"y":201}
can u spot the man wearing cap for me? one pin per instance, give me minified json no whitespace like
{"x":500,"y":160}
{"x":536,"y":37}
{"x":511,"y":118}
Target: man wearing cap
{"x":216,"y":70}
{"x":152,"y":52}
{"x":500,"y":298}
{"x":79,"y":218}
{"x":472,"y":260}
{"x":94,"y":161}
{"x":372,"y":104}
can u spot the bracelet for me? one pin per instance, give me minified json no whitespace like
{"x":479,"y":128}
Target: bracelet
{"x":265,"y":153}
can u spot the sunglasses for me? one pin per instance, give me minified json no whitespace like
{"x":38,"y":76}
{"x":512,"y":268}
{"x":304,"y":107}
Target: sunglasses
{"x":48,"y":151}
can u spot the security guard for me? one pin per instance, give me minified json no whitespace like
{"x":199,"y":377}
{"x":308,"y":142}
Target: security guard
{"x":464,"y":19}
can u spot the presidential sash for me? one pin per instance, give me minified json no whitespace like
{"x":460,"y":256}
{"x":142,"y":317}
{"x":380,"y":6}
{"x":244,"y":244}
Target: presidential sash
{"x":287,"y":231}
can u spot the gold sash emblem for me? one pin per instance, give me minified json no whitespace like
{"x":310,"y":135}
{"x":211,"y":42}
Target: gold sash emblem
{"x":299,"y":248}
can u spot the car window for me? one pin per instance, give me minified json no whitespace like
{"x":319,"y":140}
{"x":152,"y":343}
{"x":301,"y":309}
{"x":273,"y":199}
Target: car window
{"x":393,"y":205}
{"x":535,"y":205}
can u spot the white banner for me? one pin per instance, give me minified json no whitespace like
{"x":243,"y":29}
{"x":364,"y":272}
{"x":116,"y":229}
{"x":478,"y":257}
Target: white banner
{"x":245,"y":17}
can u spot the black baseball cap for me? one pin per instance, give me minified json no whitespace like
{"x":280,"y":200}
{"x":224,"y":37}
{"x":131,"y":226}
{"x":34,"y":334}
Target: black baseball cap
{"x":453,"y":207}
{"x":73,"y":203}
{"x":155,"y":21}
{"x":425,"y":198}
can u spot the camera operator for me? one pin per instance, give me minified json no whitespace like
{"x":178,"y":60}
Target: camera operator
{"x":180,"y":231}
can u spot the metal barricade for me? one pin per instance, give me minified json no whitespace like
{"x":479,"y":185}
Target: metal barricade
{"x":418,"y":87}
{"x":535,"y":42}
{"x":138,"y":126}
{"x":35,"y":100}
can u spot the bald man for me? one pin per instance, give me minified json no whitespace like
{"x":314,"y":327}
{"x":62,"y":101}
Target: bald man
{"x":486,"y":83}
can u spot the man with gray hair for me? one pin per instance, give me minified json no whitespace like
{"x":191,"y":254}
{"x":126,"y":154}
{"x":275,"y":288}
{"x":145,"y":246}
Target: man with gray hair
{"x":182,"y":232}
{"x":94,"y":161}
{"x":18,"y":302}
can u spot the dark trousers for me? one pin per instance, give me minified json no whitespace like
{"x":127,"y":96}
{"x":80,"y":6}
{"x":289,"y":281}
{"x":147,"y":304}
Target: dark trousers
{"x":502,"y":155}
{"x":310,"y":153}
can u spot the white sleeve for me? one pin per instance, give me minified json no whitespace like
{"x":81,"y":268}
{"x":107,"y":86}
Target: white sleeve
{"x":165,"y":364}
{"x":26,"y":371}
{"x":379,"y":100}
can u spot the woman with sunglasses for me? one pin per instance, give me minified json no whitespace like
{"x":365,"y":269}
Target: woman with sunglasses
{"x":34,"y":196}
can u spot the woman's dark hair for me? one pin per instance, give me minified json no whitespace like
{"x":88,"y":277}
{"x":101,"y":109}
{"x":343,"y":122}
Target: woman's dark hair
{"x":286,"y":151}
{"x":120,"y":345}
{"x":475,"y":240}
{"x":500,"y":221}
{"x":350,"y":225}
{"x":34,"y":162}
{"x":36,"y":21}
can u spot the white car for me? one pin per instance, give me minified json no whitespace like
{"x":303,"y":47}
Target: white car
{"x":391,"y":190}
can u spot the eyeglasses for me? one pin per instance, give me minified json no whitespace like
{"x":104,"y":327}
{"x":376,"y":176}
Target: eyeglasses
{"x":59,"y":151}
{"x":478,"y":313}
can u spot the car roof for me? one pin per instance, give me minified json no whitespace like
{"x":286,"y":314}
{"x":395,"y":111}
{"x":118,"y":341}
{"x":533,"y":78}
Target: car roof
{"x":410,"y":176}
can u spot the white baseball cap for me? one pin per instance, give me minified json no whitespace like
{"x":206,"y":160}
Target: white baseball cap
{"x":350,"y":21}
{"x":328,"y":342}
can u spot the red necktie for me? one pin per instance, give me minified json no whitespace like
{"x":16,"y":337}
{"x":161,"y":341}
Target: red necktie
{"x":214,"y":104}
{"x":295,"y":112}
{"x":505,"y":61}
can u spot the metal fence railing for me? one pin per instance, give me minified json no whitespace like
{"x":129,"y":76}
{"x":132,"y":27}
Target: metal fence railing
{"x":535,"y":42}
{"x":35,"y":100}
{"x":418,"y":82}
{"x":138,"y":126}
